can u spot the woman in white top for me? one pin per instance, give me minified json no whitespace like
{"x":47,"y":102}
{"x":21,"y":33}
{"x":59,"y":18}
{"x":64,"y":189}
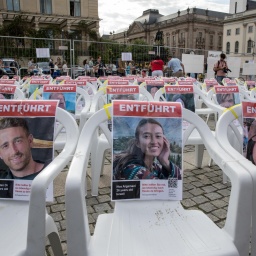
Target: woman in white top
{"x":65,"y":68}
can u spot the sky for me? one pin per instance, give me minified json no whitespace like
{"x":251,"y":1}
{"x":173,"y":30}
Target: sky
{"x":119,"y":14}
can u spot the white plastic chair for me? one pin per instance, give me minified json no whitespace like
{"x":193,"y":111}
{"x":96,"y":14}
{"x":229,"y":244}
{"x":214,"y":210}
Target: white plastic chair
{"x":25,"y":224}
{"x":226,"y":130}
{"x":147,"y":228}
{"x":18,"y":94}
{"x":195,"y":138}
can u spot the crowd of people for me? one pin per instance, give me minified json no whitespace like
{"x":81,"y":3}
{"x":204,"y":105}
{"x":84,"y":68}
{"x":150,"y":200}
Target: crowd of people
{"x":96,"y":67}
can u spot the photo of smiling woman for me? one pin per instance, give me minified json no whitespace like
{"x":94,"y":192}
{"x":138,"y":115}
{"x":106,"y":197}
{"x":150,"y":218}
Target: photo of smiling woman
{"x":147,"y":155}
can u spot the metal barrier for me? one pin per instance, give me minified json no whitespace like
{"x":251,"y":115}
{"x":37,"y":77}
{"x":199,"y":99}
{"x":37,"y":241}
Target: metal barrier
{"x":74,"y":52}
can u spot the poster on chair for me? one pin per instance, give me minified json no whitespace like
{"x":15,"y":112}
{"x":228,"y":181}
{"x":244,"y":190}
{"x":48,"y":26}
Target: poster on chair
{"x":147,"y":150}
{"x":181,"y":93}
{"x":65,"y":93}
{"x":26,"y":145}
{"x":122,"y":92}
{"x":7,"y":91}
{"x":227,"y":96}
{"x":153,"y":86}
{"x":249,"y":130}
{"x":36,"y":84}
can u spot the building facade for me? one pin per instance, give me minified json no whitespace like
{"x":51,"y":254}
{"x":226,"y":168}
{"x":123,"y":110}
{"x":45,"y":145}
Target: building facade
{"x":239,"y":30}
{"x":191,"y":29}
{"x":43,"y":13}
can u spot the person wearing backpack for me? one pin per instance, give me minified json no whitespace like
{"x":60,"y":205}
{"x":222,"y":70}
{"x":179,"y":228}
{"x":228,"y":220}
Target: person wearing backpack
{"x":221,"y":68}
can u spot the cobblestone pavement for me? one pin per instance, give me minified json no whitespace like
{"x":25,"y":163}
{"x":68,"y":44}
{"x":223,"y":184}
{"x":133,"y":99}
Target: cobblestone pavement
{"x":203,"y":189}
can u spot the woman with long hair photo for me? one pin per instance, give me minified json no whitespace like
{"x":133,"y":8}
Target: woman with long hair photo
{"x":147,"y":155}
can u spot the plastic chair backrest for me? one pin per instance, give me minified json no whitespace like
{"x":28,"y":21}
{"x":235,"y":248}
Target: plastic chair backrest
{"x":237,"y":223}
{"x":39,"y":223}
{"x":223,"y":127}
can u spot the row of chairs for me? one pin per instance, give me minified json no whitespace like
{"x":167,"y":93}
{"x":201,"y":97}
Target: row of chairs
{"x":182,"y":232}
{"x":133,"y":226}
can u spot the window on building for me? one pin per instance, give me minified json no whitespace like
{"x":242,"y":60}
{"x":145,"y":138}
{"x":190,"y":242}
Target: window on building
{"x":229,"y":32}
{"x":167,"y":40}
{"x":228,"y":48}
{"x":219,"y":40}
{"x":211,"y":39}
{"x":200,"y":34}
{"x":75,"y":8}
{"x":13,"y":5}
{"x":173,"y":40}
{"x":236,"y":47}
{"x":237,"y":31}
{"x":46,"y":6}
{"x":250,"y":45}
{"x":250,"y":29}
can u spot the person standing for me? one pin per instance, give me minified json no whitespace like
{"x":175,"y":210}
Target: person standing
{"x":157,"y":66}
{"x":65,"y":68}
{"x":99,"y":67}
{"x":31,"y":67}
{"x":219,"y":68}
{"x":86,"y":67}
{"x":51,"y":65}
{"x":177,"y":67}
{"x":91,"y":66}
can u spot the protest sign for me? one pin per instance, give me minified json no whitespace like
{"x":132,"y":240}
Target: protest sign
{"x":147,"y":150}
{"x":26,"y":145}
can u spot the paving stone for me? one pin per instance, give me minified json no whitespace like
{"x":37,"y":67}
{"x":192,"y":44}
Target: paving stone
{"x":188,"y":186}
{"x":63,"y":236}
{"x":57,"y":207}
{"x":198,"y":171}
{"x":197,"y":191}
{"x":90,"y":209}
{"x":220,"y":224}
{"x":63,"y":225}
{"x":192,"y":178}
{"x":103,"y":191}
{"x":210,"y":174}
{"x":219,"y":185}
{"x":104,"y":198}
{"x":186,"y":195}
{"x":209,"y":189}
{"x":61,"y":199}
{"x":219,"y":203}
{"x":200,"y":199}
{"x":220,"y":213}
{"x":92,"y":201}
{"x":213,"y":217}
{"x":197,"y":184}
{"x":187,"y":203}
{"x":91,"y":227}
{"x":56,"y":216}
{"x":91,"y":218}
{"x":207,"y":207}
{"x":213,"y":196}
{"x":224,"y":192}
{"x":102,"y":207}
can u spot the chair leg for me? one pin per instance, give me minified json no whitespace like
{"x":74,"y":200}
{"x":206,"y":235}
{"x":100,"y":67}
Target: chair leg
{"x":224,"y":178}
{"x":210,"y":162}
{"x":207,"y":119}
{"x":55,"y":244}
{"x":96,"y":158}
{"x":53,"y":235}
{"x":199,"y":152}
